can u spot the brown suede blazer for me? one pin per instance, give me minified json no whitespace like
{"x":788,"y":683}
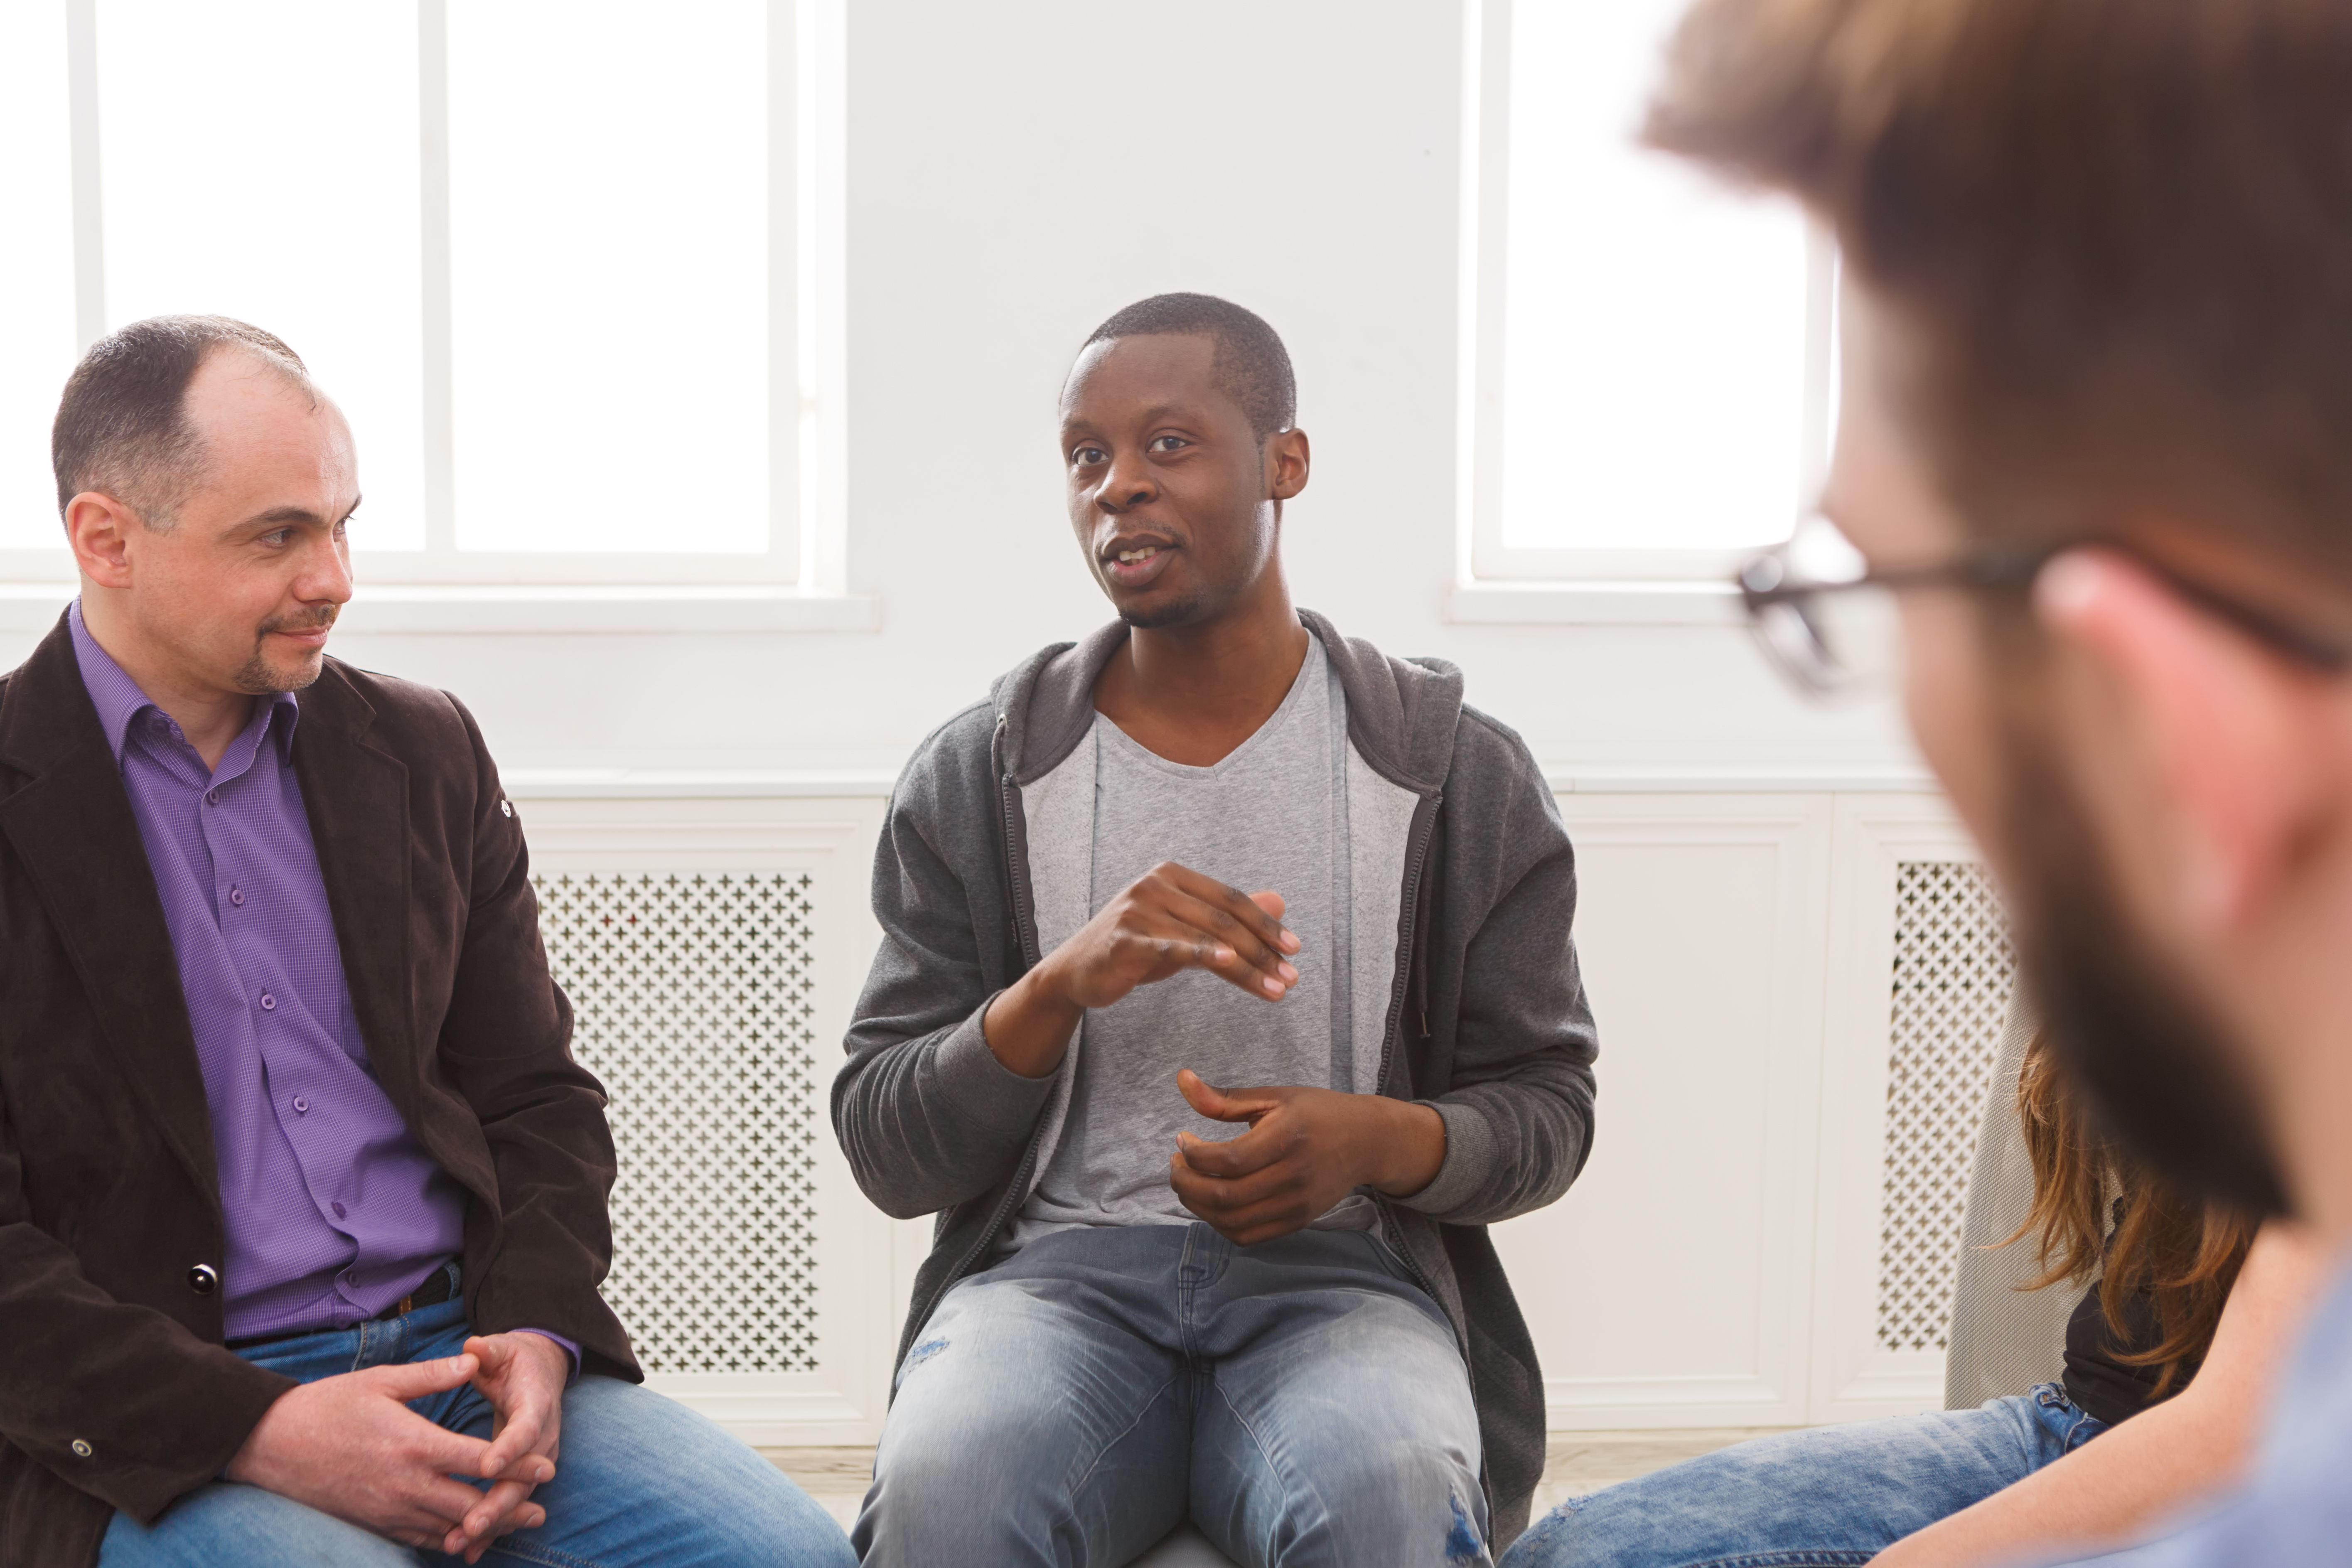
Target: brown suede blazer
{"x":115,"y":1391}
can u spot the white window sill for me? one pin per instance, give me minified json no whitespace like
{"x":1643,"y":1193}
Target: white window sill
{"x":452,"y":610}
{"x":1656,"y":602}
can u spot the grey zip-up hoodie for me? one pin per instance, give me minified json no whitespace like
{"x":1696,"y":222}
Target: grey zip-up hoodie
{"x":1485,"y":1018}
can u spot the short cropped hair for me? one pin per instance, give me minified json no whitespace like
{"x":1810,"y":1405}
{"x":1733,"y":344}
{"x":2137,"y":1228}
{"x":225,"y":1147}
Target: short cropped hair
{"x":2118,"y":235}
{"x":122,"y":427}
{"x":1250,"y":363}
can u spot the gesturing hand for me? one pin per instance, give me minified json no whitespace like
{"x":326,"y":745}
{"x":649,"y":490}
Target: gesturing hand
{"x":1305,"y":1149}
{"x":1169,"y":920}
{"x":349,"y":1446}
{"x":522,"y":1375}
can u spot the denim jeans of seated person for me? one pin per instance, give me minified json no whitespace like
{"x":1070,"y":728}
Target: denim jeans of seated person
{"x":639,"y":1479}
{"x":1832,"y":1496}
{"x":1302,"y":1399}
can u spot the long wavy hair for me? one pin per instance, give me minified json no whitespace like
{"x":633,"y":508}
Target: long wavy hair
{"x":2182,"y":1253}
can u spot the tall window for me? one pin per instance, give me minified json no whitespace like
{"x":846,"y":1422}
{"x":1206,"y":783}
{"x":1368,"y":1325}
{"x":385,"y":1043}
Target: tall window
{"x":544,"y":253}
{"x":1650,"y":369}
{"x":37,"y":268}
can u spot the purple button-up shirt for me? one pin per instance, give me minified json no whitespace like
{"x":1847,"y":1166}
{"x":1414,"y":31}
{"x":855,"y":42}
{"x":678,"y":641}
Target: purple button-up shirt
{"x":334,"y":1211}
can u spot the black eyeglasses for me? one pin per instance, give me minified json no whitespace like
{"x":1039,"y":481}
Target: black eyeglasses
{"x":1831,"y":625}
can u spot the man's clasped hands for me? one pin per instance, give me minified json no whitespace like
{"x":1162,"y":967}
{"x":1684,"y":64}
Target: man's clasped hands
{"x":350,"y":1445}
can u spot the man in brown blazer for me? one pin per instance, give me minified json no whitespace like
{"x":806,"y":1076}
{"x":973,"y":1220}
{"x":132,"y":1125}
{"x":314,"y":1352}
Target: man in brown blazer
{"x":302,"y":1198}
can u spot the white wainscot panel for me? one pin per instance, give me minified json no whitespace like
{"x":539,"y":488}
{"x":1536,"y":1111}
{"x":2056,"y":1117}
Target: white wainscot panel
{"x":1719,"y":1263}
{"x":1670,"y":1287}
{"x":836,"y":1312}
{"x":1864,"y":1366}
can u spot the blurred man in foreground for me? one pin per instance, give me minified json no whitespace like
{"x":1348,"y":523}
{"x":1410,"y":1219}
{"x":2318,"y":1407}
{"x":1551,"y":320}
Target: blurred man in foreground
{"x":2092,"y":454}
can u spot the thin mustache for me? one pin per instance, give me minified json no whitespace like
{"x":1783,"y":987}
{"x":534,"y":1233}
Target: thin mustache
{"x":324,"y":616}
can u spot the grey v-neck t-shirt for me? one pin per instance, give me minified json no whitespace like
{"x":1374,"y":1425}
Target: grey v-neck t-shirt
{"x":1272,"y":814}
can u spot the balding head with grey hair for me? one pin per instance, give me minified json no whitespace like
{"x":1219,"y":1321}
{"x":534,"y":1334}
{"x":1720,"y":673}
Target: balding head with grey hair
{"x":122,"y":427}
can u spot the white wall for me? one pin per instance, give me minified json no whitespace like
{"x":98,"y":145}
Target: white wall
{"x":1014,"y":174}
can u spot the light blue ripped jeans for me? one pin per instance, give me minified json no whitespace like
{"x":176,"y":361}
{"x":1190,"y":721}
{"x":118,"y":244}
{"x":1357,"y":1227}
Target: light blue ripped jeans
{"x":1829,"y":1498}
{"x":1302,"y":1399}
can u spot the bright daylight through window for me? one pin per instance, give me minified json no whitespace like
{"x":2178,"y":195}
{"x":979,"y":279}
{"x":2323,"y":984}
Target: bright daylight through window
{"x":36,"y":267}
{"x":541,"y":251}
{"x":1664,"y":367}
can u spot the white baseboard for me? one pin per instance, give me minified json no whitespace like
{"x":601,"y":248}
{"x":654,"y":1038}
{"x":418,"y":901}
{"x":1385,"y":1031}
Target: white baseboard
{"x":1654,"y":1404}
{"x":772,"y":1410}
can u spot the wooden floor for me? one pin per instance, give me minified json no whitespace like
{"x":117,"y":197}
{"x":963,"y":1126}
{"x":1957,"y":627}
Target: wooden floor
{"x":1576,"y":1463}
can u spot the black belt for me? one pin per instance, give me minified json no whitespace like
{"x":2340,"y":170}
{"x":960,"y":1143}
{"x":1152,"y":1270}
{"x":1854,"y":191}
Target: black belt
{"x":434,"y":1289}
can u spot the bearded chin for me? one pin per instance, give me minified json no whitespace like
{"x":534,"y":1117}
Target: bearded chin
{"x":2160,"y":1077}
{"x":261,"y":679}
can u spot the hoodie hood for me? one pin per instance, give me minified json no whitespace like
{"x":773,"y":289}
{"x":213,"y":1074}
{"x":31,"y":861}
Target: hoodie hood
{"x":1401,"y":712}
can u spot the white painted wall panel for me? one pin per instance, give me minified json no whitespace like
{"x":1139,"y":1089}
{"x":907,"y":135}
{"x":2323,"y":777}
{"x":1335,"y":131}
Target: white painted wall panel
{"x":1718,"y":1262}
{"x":831,"y":841}
{"x":1686,"y":1069}
{"x":1853,"y":1375}
{"x":1664,"y":1290}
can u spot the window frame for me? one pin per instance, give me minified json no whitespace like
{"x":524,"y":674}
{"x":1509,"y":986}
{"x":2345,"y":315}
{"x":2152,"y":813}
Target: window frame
{"x":1482,"y":557}
{"x":806,"y":549}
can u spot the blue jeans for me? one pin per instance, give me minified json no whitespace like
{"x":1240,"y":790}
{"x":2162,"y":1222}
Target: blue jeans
{"x":641,"y":1479}
{"x":1836,"y":1494}
{"x":1302,"y":1399}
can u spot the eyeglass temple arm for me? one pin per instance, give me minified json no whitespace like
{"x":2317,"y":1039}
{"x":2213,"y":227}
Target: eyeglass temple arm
{"x":1999,"y":567}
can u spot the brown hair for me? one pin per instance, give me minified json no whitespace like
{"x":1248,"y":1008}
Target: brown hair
{"x":2183,"y":1255}
{"x":2116,"y":233}
{"x":121,"y":426}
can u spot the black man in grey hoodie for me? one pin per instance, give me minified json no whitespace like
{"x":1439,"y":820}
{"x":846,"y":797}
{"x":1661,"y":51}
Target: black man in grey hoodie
{"x":1299,"y":1335}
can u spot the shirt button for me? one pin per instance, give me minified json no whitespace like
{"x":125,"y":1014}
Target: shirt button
{"x":269,"y":1002}
{"x":212,"y":798}
{"x":340,"y":1212}
{"x":81,"y":1448}
{"x":236,"y":896}
{"x":302,"y":1106}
